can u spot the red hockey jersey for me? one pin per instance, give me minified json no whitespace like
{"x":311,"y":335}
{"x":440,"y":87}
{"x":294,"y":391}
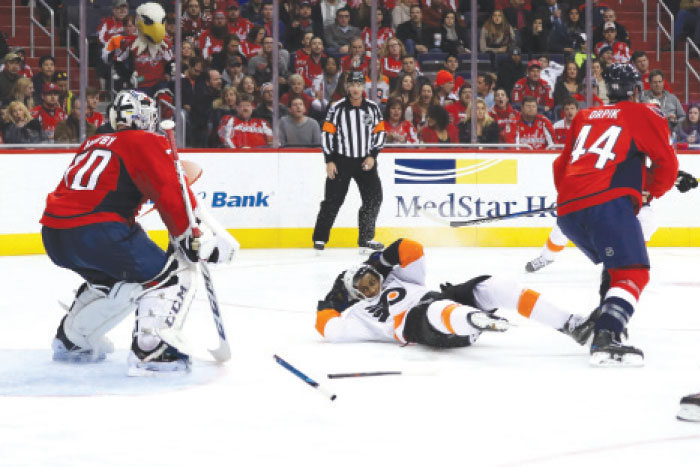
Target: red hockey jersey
{"x":539,"y":134}
{"x":241,"y":28}
{"x":541,"y":91}
{"x":404,"y":132}
{"x":237,"y":133}
{"x":605,"y":156}
{"x":48,"y":118}
{"x":111,"y":176}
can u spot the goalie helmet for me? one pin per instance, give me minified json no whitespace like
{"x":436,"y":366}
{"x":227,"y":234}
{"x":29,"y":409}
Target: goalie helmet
{"x":352,"y":276}
{"x":622,"y":79}
{"x":135,"y":110}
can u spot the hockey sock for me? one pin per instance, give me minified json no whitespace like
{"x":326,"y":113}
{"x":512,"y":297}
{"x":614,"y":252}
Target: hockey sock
{"x":450,"y":318}
{"x":556,"y":242}
{"x":626,"y":286}
{"x":533,"y":306}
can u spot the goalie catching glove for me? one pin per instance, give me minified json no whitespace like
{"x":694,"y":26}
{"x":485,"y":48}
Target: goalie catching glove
{"x":685,"y":182}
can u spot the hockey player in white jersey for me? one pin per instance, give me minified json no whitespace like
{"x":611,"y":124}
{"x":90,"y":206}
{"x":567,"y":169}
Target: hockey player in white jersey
{"x":386,"y":299}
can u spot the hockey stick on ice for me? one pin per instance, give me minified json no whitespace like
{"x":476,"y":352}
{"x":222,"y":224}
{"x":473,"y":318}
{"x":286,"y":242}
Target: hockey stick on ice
{"x":325,"y":392}
{"x":223,"y":352}
{"x":484,"y":220}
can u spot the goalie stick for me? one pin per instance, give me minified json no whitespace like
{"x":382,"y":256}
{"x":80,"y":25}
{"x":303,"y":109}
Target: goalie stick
{"x":223,"y":352}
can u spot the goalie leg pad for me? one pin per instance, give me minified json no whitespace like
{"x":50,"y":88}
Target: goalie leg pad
{"x":92,"y":316}
{"x":163,"y":306}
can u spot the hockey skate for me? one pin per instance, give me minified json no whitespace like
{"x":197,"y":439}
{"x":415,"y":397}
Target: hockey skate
{"x":370,"y":247}
{"x":487,"y":321}
{"x":537,"y":264}
{"x":579,"y":328}
{"x":607,"y":350}
{"x":163,"y":358}
{"x":690,"y":408}
{"x":66,"y":351}
{"x":319,"y":246}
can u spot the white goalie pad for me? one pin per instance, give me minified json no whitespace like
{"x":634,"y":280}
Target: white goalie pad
{"x":97,"y":310}
{"x":163,"y":307}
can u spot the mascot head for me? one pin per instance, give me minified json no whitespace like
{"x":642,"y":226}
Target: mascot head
{"x":150,"y":21}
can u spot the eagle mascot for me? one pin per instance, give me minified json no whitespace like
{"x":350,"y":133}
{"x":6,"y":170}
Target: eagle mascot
{"x":145,"y":60}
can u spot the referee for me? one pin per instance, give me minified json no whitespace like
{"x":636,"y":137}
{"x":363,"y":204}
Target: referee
{"x":353,"y":134}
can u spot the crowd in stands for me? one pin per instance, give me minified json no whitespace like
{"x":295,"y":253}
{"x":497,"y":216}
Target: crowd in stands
{"x":530,"y":54}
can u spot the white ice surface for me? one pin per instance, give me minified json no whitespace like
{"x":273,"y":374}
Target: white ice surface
{"x":525,"y":397}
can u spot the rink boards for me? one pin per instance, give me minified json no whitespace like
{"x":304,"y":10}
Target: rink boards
{"x":270,"y":198}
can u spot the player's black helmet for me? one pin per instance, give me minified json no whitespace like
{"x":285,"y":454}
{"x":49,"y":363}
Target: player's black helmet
{"x":621,"y":80}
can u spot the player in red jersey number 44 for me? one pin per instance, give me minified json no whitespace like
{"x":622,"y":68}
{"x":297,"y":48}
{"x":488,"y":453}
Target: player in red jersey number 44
{"x":601,"y":180}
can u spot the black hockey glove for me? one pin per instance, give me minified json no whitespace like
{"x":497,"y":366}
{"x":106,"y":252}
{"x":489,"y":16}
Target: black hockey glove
{"x":338,"y":298}
{"x":375,"y":260}
{"x":685,"y":182}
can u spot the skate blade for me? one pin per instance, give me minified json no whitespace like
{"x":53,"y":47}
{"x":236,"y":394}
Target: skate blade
{"x":689,"y":413}
{"x":606,"y":360}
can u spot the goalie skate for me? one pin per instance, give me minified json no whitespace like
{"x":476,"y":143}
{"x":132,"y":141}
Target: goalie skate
{"x":164,"y":358}
{"x":690,"y":408}
{"x":487,"y":321}
{"x":66,"y":351}
{"x":608,"y":351}
{"x":537,"y":264}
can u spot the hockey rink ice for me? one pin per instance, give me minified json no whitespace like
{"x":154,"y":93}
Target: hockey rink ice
{"x":525,"y":397}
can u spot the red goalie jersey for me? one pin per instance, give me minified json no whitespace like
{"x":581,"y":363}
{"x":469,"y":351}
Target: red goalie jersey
{"x":111,"y":176}
{"x":605,"y":156}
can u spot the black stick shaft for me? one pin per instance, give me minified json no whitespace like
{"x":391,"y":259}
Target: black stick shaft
{"x":362,"y":374}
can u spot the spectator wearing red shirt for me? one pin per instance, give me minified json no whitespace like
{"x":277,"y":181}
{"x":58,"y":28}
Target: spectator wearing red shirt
{"x":533,"y":85}
{"x":384,"y":33}
{"x":561,"y":127}
{"x":252,"y":45}
{"x":532,"y":128}
{"x":417,"y":112}
{"x":296,"y":89}
{"x":391,"y":57}
{"x":192,"y":23}
{"x":211,"y":40}
{"x":398,"y":129}
{"x":438,"y":129}
{"x":621,"y":51}
{"x":236,"y":23}
{"x":92,"y":99}
{"x":444,"y":87}
{"x":313,"y":65}
{"x":24,"y":69}
{"x":49,"y":112}
{"x":641,"y":63}
{"x":111,"y":26}
{"x":504,"y":114}
{"x":358,"y":60}
{"x":299,"y":56}
{"x":244,"y":131}
{"x":458,"y":110}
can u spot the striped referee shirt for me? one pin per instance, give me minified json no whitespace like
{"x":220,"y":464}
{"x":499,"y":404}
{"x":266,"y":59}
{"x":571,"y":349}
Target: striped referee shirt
{"x":351,"y":131}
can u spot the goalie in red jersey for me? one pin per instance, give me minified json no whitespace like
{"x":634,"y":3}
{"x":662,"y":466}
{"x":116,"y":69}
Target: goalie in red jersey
{"x":89,"y":227}
{"x":601,"y":180}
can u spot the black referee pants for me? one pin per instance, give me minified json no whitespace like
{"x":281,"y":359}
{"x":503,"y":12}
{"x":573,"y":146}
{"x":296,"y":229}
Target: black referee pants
{"x":370,"y":191}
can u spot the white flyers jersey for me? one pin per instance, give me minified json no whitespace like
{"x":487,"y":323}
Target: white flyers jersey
{"x":382,"y":318}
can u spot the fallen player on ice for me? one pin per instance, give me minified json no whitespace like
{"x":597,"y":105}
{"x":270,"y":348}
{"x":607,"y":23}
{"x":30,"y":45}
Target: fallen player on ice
{"x":386,"y":299}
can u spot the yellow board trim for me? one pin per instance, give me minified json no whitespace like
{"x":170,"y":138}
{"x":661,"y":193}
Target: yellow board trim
{"x":30,"y":244}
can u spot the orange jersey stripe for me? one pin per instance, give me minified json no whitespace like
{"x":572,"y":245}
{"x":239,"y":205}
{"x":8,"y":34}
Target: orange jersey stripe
{"x":445,"y":315}
{"x":328,"y":127}
{"x":409,"y":251}
{"x":322,"y":317}
{"x":398,"y":321}
{"x":552,"y":247}
{"x":526,"y":302}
